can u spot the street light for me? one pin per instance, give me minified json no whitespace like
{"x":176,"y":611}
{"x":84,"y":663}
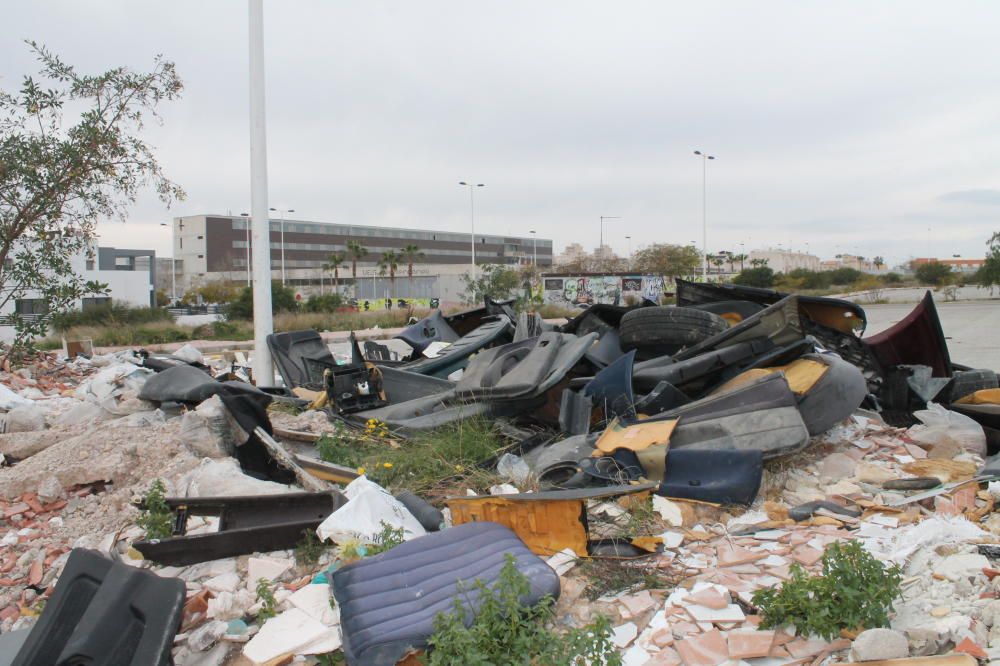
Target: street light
{"x":279,"y":210}
{"x":605,"y":217}
{"x":472,"y":219}
{"x":629,"y":239}
{"x":247,"y":216}
{"x":534,"y":248}
{"x":704,"y":217}
{"x":173,"y":265}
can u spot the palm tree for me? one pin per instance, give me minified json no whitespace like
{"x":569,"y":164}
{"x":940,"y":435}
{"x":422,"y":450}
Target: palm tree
{"x":357,"y":252}
{"x":333,"y":263}
{"x":741,"y":258}
{"x":389,"y":262}
{"x":409,"y":254}
{"x":879,"y":263}
{"x":717,"y":262}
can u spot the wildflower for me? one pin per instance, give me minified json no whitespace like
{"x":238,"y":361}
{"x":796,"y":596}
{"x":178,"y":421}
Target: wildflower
{"x":361,"y":470}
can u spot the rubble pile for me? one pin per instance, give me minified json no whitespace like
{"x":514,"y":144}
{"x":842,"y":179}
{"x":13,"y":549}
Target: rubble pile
{"x":655,"y":466}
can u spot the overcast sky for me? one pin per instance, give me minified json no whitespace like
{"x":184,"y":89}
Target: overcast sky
{"x":863,"y":127}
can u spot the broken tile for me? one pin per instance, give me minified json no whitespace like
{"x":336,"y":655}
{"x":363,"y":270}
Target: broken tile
{"x":624,"y":634}
{"x":749,"y":643}
{"x":731,"y":613}
{"x":636,"y":604}
{"x":266,"y":568}
{"x":709,"y":598}
{"x":732,"y":555}
{"x":708,"y":649}
{"x":806,"y":555}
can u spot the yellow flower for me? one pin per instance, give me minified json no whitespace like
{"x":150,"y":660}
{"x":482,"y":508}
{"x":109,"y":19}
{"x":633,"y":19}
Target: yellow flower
{"x":387,"y":465}
{"x":361,"y":470}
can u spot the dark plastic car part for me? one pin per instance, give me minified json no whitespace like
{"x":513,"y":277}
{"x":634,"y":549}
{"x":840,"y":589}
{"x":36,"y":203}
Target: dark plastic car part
{"x":966,"y":382}
{"x":429,"y":517}
{"x":662,"y":398}
{"x":247,"y":524}
{"x":466,"y":321}
{"x":607,"y":350}
{"x":432,"y":328}
{"x":840,"y":315}
{"x":575,"y":411}
{"x":722,"y":477}
{"x":780,"y":323}
{"x":732,"y":311}
{"x":917,"y":339}
{"x":522,"y":369}
{"x":806,"y":511}
{"x":105,"y":612}
{"x":647,"y":374}
{"x":354,"y":387}
{"x":301,"y":357}
{"x":665,"y":329}
{"x":456,"y":355}
{"x":761,"y":415}
{"x":401,"y":386}
{"x":611,"y":389}
{"x":388,"y":602}
{"x":834,"y":397}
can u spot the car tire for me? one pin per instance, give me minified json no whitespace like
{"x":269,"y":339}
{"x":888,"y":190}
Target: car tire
{"x":660,"y":330}
{"x":965,"y":382}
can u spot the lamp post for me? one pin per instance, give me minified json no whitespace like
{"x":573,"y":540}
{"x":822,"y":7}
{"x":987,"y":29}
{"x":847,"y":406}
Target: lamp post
{"x":605,"y":217}
{"x":283,"y":211}
{"x":629,"y":239}
{"x":534,"y":248}
{"x":246,"y":219}
{"x":173,"y":265}
{"x":704,"y":217}
{"x":472,"y":219}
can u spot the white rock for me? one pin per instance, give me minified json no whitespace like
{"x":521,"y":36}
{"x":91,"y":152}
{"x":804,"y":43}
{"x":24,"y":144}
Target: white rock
{"x":50,"y":490}
{"x":292,"y":632}
{"x":227,"y":582}
{"x":562,"y":561}
{"x":875,"y":644}
{"x":669,"y":511}
{"x":314,"y":601}
{"x":956,"y":567}
{"x":266,"y":568}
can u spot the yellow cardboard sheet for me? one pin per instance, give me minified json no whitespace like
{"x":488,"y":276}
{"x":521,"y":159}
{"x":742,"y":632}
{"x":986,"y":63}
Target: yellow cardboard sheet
{"x":635,"y":437}
{"x":983,"y":397}
{"x":801,"y":375}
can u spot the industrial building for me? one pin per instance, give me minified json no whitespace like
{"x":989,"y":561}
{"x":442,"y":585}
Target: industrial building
{"x":214,"y":247}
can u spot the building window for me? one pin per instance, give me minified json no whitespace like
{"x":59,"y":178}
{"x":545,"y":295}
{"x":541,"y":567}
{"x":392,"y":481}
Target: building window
{"x":201,"y":237}
{"x":95,"y":302}
{"x":201,"y":256}
{"x":90,"y":264}
{"x":30,"y":306}
{"x":181,"y":241}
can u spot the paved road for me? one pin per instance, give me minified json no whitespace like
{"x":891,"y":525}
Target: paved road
{"x":972,"y":329}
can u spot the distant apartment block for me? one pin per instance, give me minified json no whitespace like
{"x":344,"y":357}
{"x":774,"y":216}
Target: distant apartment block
{"x":957,"y":264}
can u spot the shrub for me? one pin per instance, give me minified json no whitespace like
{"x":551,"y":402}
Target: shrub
{"x":933,"y":273}
{"x":854,"y":592}
{"x":762,"y":276}
{"x":845,"y":276}
{"x":110,"y":314}
{"x":282,"y":300}
{"x":156,"y":518}
{"x":506,"y":632}
{"x":892,"y":278}
{"x":323,"y":303}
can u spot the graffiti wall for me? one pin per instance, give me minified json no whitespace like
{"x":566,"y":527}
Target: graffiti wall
{"x":608,"y":289}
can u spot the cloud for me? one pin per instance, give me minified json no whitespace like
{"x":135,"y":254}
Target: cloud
{"x":980,"y":197}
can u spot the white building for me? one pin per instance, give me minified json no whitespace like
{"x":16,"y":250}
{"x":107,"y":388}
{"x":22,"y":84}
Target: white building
{"x":783,"y":261}
{"x":128,"y":274}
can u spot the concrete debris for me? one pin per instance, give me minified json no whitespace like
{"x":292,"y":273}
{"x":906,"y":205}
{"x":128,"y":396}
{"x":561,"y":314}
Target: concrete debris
{"x":878,"y":644}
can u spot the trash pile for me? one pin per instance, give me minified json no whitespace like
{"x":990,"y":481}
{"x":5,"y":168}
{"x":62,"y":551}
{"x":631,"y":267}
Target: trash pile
{"x":697,"y":477}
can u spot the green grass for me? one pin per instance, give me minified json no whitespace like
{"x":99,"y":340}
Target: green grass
{"x":432,"y":464}
{"x":611,"y":576}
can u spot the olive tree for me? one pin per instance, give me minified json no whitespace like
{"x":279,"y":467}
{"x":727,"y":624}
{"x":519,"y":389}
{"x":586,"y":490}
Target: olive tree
{"x":70,"y":155}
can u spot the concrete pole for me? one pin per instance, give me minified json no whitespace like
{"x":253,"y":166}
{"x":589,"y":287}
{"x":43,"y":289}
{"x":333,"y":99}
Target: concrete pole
{"x":263,"y":324}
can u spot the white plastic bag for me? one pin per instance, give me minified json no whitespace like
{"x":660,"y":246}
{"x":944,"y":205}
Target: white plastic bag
{"x":368,"y":506}
{"x":941,"y":426}
{"x":513,"y":468}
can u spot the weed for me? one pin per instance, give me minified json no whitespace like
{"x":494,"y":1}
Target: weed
{"x":309,"y":549}
{"x":506,"y":632}
{"x":331,"y":659}
{"x":855,"y":591}
{"x":265,"y":595}
{"x":156,"y":519}
{"x":388,"y":537}
{"x":610,"y":576}
{"x":284,"y":407}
